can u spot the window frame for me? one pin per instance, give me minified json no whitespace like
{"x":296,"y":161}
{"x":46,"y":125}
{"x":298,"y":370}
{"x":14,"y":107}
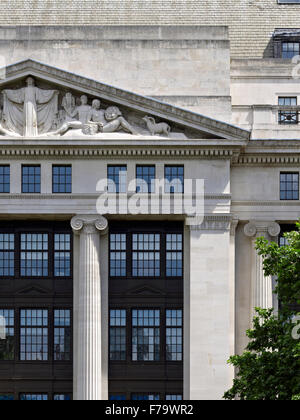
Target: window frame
{"x":285,"y":191}
{"x":65,"y":175}
{"x":118,"y":191}
{"x":165,"y":177}
{"x":22,"y":179}
{"x":137,"y":177}
{"x":3,"y":184}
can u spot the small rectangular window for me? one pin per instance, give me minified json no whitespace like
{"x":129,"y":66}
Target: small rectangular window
{"x":31,"y":179}
{"x":117,"y":335}
{"x":118,"y":255}
{"x":145,"y":178}
{"x":174,"y":335}
{"x":174,"y":256}
{"x":117,"y":397}
{"x":7,"y":334}
{"x":61,"y":397}
{"x":287,"y":116}
{"x":62,"y":255}
{"x":174,"y":179}
{"x":34,"y":254}
{"x":173,"y":397}
{"x":62,"y":179}
{"x":289,"y":186}
{"x":33,"y":397}
{"x":146,"y":255}
{"x":4,"y":178}
{"x":62,"y":334}
{"x":145,"y":397}
{"x":117,"y":179}
{"x":7,"y":254}
{"x":34,"y":334}
{"x":145,"y":335}
{"x":6,"y":397}
{"x":290,"y":50}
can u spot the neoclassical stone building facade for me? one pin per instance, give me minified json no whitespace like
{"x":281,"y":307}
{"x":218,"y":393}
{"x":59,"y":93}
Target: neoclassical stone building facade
{"x":135,"y":304}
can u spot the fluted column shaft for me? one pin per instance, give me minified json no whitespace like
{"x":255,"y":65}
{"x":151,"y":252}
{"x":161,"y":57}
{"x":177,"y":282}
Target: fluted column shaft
{"x":262,"y":286}
{"x":87,"y":377}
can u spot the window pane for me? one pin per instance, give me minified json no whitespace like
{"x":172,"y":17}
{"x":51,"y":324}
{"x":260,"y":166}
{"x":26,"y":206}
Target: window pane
{"x":145,"y":397}
{"x":146,"y":255}
{"x":117,"y":334}
{"x":7,"y":255}
{"x":6,"y":397}
{"x":4,"y":179}
{"x":117,"y":176}
{"x":34,"y":397}
{"x":61,"y":397}
{"x":34,"y":334}
{"x":174,"y":255}
{"x":118,"y":255}
{"x":7,"y":334}
{"x":145,"y":335}
{"x":174,"y":335}
{"x":62,"y":255}
{"x":290,"y":49}
{"x":31,"y":179}
{"x":62,"y":334}
{"x":145,"y":176}
{"x":173,"y":397}
{"x":117,"y":397}
{"x":34,"y":255}
{"x":174,"y":179}
{"x":62,"y":179}
{"x":289,"y":186}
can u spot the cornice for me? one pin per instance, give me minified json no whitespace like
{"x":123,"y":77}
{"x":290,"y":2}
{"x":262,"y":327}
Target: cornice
{"x":63,"y":152}
{"x":268,"y":159}
{"x":76,"y":196}
{"x":267,"y":203}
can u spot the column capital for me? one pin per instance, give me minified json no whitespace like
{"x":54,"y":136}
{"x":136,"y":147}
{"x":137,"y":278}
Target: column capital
{"x":89,"y":224}
{"x":255,"y":229}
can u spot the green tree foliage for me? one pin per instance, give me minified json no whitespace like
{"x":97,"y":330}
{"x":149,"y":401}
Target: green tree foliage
{"x":269,"y":369}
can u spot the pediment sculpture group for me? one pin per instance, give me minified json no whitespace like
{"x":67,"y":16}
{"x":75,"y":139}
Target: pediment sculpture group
{"x":33,"y":112}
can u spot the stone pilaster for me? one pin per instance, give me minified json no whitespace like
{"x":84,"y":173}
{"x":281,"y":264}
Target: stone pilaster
{"x":262,"y":286}
{"x":87,"y":308}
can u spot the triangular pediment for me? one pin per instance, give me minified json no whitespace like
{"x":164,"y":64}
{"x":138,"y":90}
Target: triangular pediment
{"x":54,"y":111}
{"x":145,"y":291}
{"x":33,"y":290}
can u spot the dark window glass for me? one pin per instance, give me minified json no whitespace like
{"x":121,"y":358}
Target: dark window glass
{"x":62,"y":334}
{"x":145,"y":335}
{"x":7,"y":255}
{"x":289,"y":186}
{"x":117,"y":397}
{"x":174,"y":335}
{"x":174,"y":179}
{"x":4,"y":179}
{"x":174,"y":256}
{"x":31,"y":179}
{"x":34,"y":334}
{"x":145,"y":178}
{"x":34,"y":397}
{"x":290,"y":49}
{"x":117,"y":348}
{"x":145,"y":397}
{"x":117,"y":176}
{"x":61,"y":397}
{"x":6,"y":397}
{"x":173,"y":397}
{"x":62,"y":255}
{"x":7,"y":334}
{"x":34,"y":254}
{"x":146,"y":255}
{"x":62,"y":179}
{"x":287,"y":101}
{"x":118,"y":255}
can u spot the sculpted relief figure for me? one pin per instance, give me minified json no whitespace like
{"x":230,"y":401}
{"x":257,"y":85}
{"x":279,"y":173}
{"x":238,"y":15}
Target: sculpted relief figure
{"x":92,"y":119}
{"x":29,"y":111}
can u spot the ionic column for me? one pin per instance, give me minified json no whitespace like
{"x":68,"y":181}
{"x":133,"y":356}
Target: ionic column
{"x":87,"y":311}
{"x":262,"y":286}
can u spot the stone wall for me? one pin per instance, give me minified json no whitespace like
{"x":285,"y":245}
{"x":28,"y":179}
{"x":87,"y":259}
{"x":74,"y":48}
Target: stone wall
{"x":251,"y":22}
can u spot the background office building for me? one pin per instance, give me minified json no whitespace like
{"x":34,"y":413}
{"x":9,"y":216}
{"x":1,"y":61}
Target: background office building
{"x":148,"y":306}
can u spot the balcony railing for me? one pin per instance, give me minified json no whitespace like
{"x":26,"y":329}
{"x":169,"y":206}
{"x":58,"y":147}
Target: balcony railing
{"x":288,"y":117}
